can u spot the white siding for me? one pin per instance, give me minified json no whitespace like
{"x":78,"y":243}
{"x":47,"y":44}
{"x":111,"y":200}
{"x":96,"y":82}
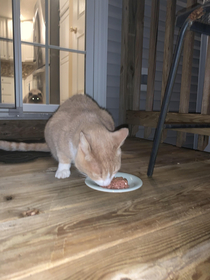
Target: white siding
{"x":114,"y":57}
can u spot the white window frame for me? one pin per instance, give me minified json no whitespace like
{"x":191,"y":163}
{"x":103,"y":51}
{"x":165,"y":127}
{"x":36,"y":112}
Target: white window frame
{"x":96,"y":61}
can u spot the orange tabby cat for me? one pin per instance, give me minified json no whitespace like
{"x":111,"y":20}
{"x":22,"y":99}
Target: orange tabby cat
{"x":82,"y":133}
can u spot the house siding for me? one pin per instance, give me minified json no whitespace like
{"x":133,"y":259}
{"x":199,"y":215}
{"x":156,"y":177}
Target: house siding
{"x":114,"y":57}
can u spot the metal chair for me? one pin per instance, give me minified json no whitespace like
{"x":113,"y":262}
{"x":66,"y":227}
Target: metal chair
{"x":197,"y":20}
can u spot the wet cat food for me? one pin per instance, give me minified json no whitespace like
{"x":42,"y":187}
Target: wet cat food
{"x":118,"y":183}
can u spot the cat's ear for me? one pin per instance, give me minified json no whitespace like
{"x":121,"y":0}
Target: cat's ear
{"x":120,"y":136}
{"x":84,"y":145}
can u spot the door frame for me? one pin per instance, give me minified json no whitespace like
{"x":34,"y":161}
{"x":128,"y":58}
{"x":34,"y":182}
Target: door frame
{"x":96,"y":46}
{"x":96,"y":62}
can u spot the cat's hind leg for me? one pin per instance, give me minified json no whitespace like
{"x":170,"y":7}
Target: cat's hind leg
{"x":64,"y":165}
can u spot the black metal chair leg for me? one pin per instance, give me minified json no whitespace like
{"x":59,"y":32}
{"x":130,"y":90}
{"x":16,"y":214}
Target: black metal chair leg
{"x":167,"y":96}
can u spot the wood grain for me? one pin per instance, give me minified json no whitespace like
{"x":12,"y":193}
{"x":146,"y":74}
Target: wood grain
{"x":22,"y":129}
{"x":168,"y":43}
{"x":201,"y":131}
{"x":168,"y":48}
{"x":152,"y":59}
{"x":139,"y":32}
{"x":151,"y":118}
{"x":138,"y":53}
{"x":186,"y":76}
{"x":131,"y":52}
{"x":161,"y":231}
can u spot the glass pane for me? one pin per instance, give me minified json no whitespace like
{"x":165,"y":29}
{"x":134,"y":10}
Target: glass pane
{"x":7,"y":92}
{"x":67,"y":71}
{"x":32,"y":14}
{"x":33,"y":74}
{"x":67,"y":29}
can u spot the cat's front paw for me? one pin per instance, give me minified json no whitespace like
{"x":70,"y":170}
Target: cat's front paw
{"x":62,"y":174}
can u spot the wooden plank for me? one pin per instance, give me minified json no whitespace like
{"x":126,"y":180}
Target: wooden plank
{"x":186,"y":76}
{"x":111,"y":236}
{"x":131,"y":53}
{"x":205,"y":109}
{"x":203,"y":140}
{"x":144,"y":257}
{"x":46,"y":193}
{"x":168,"y":48}
{"x":22,"y":129}
{"x":152,"y":59}
{"x":151,"y":118}
{"x":138,"y":59}
{"x":138,"y":53}
{"x":168,"y":43}
{"x":124,"y":61}
{"x":201,"y":131}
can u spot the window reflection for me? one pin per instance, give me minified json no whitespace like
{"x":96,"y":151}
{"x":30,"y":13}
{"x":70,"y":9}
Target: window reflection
{"x":66,"y":69}
{"x":72,"y":24}
{"x":33,"y":77}
{"x":33,"y":57}
{"x":66,"y":28}
{"x":68,"y":79}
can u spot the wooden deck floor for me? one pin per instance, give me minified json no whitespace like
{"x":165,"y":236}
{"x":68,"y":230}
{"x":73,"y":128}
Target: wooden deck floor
{"x":161,"y":231}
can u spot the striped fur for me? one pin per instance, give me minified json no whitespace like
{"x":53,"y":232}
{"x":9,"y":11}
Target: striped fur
{"x":82,"y":133}
{"x":15,"y":146}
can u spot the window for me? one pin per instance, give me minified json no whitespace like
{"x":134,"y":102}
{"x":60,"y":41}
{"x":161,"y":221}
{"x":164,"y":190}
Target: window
{"x":7,"y":96}
{"x":42,"y":55}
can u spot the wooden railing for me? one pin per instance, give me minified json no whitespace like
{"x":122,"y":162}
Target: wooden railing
{"x":131,"y":64}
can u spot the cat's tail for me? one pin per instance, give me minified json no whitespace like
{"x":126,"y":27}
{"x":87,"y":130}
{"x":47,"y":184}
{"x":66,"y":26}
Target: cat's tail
{"x":21,"y":146}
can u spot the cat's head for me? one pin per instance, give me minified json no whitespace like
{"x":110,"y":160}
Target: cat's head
{"x":35,"y":96}
{"x":99,"y":154}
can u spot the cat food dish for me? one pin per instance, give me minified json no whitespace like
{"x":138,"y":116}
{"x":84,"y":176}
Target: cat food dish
{"x":118,"y":183}
{"x":134,"y":183}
